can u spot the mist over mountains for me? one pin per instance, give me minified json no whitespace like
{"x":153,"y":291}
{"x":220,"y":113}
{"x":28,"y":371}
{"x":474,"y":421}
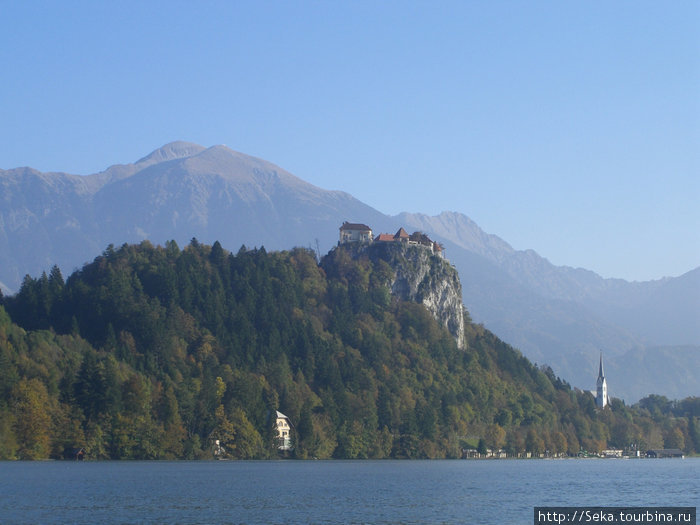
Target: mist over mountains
{"x":648,"y":331}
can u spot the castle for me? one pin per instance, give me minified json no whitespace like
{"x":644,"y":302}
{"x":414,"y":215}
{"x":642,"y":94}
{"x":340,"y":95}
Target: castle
{"x":355,"y":232}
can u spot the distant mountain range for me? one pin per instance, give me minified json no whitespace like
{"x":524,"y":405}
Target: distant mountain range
{"x":649,"y":332}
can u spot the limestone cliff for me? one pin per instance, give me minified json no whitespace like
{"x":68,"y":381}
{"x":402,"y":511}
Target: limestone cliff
{"x":422,"y":277}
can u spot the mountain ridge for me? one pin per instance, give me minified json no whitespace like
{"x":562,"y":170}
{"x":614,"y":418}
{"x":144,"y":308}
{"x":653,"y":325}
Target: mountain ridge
{"x":541,"y":308}
{"x":183,"y":190}
{"x":580,"y":285}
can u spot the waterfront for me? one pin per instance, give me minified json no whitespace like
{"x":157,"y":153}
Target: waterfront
{"x":330,"y":492}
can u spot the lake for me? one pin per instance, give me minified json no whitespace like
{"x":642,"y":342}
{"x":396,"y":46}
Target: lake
{"x":332,"y":492}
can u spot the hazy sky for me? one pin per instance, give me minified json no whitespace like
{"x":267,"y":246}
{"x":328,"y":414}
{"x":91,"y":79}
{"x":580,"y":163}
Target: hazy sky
{"x":572,"y":128}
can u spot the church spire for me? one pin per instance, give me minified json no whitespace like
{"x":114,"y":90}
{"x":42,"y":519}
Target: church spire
{"x":601,"y":398}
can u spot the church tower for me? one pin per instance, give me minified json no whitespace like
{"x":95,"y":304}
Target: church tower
{"x":601,"y":397}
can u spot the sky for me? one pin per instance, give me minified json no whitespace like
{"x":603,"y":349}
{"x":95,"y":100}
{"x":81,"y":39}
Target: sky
{"x":570,"y":128}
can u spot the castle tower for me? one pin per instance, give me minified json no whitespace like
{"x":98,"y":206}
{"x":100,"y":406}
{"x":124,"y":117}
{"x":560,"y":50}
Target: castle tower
{"x":601,"y":397}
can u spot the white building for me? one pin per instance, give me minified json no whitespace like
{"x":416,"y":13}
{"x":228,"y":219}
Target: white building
{"x":601,"y":393}
{"x":284,"y":432}
{"x":350,"y":232}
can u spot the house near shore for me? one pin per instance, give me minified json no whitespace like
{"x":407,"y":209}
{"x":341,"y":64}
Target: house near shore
{"x":284,"y":431}
{"x":612,"y":453}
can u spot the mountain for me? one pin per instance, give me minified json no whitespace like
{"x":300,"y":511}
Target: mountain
{"x":179,"y":191}
{"x":559,"y":316}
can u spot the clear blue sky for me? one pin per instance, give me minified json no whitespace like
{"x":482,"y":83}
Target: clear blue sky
{"x":572,"y":128}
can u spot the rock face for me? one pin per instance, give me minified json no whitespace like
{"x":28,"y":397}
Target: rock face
{"x":422,"y":277}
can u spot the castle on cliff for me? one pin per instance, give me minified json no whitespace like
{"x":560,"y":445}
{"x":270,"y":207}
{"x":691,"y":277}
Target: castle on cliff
{"x":361,"y":233}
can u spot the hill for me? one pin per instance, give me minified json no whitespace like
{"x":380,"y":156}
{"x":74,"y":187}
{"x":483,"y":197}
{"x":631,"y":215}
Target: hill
{"x":156,"y":352}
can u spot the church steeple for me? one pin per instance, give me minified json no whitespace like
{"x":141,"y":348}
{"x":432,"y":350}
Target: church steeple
{"x":601,"y":398}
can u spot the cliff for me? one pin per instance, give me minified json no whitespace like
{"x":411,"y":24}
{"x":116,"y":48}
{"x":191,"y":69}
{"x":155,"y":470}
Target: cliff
{"x":422,"y":277}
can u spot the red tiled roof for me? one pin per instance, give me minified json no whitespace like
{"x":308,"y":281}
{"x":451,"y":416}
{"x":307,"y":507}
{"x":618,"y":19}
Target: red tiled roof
{"x":384,"y":237}
{"x":401,"y":234}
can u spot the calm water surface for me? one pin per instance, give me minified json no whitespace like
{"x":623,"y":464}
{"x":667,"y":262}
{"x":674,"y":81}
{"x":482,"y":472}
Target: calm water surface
{"x":334,"y":492}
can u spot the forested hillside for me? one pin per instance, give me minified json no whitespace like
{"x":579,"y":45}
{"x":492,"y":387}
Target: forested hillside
{"x":155,"y":352}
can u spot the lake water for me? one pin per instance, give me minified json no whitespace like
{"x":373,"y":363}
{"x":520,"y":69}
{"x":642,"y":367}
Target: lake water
{"x":334,"y":492}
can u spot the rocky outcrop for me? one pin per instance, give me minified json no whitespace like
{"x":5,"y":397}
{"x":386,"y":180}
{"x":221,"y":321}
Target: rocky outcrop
{"x":425,"y":278}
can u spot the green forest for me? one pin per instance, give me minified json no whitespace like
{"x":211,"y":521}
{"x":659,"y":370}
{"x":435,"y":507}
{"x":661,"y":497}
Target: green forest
{"x":156,"y":352}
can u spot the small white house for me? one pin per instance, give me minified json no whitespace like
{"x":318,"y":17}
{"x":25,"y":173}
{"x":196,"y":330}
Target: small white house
{"x":612,"y":453}
{"x":284,"y":432}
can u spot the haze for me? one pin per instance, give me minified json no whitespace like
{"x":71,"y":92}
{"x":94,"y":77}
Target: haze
{"x":571,"y":129}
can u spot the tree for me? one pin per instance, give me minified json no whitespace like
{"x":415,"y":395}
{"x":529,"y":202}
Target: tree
{"x":224,"y":432}
{"x":559,"y":443}
{"x":533,"y":442}
{"x":248,"y":442}
{"x":305,"y":432}
{"x":32,"y":420}
{"x":56,"y":282}
{"x":8,"y":442}
{"x":217,"y":255}
{"x":495,"y":436}
{"x":674,"y":439}
{"x":91,"y":386}
{"x":481,"y":448}
{"x":694,"y":432}
{"x":515,"y":441}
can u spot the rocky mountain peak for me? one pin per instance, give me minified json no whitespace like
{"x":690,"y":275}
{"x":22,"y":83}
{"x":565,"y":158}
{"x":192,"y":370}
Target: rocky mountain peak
{"x":461,"y":230}
{"x":173,"y":150}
